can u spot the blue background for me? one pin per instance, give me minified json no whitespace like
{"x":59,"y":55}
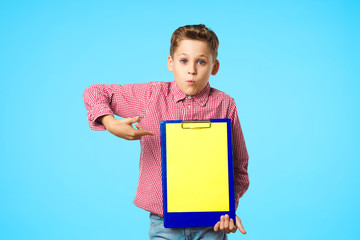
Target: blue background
{"x":292,"y":67}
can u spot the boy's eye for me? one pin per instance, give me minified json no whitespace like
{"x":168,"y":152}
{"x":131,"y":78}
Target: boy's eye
{"x":183,"y":61}
{"x":201,"y":62}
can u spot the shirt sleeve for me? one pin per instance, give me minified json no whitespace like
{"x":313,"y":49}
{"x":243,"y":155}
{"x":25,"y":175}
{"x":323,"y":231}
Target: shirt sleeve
{"x":240,"y":155}
{"x":128,"y":100}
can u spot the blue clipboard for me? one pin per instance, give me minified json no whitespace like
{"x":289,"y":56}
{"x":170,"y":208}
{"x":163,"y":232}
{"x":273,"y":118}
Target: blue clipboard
{"x":197,"y":172}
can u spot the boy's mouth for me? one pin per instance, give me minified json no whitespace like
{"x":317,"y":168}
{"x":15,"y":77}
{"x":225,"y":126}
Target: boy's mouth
{"x":190,"y":82}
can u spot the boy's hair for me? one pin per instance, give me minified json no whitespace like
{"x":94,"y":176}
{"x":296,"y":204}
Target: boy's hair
{"x":195,"y":32}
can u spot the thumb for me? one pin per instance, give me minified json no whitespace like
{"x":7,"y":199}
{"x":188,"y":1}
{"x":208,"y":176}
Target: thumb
{"x":133,"y":119}
{"x":239,"y":225}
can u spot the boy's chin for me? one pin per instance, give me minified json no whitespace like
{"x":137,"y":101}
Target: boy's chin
{"x":190,"y":91}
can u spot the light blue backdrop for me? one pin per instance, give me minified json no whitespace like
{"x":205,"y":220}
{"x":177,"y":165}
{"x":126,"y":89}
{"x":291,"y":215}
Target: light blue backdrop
{"x":292,"y":67}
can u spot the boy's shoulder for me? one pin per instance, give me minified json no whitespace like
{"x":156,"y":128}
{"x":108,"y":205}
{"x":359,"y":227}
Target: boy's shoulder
{"x":161,"y":87}
{"x":156,"y":84}
{"x":153,"y":86}
{"x":218,"y":94}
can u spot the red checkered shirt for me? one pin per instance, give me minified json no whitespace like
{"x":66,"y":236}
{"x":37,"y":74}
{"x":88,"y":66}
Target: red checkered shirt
{"x":155,"y":102}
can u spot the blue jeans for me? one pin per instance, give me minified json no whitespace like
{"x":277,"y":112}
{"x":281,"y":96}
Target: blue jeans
{"x":157,"y":231}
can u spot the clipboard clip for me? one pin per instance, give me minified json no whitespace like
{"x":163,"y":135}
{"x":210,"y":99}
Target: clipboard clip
{"x":196,"y":124}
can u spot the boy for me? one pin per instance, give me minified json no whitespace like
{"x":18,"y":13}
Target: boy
{"x":192,"y":59}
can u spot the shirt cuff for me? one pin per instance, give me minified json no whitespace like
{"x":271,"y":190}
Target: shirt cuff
{"x":96,"y":112}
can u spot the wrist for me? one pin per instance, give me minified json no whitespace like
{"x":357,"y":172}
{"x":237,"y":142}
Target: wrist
{"x":105,"y":120}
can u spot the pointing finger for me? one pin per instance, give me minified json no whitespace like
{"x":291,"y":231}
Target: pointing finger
{"x":142,"y":132}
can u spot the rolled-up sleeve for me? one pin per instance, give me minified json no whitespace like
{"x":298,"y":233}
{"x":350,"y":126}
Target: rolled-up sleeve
{"x":240,"y":155}
{"x":128,"y":100}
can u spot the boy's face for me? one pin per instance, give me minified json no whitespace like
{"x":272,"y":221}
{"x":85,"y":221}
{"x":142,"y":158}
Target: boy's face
{"x":192,"y":65}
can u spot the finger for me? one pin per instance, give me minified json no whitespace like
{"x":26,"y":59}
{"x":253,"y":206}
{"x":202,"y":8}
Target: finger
{"x":134,"y":135}
{"x":239,"y":225}
{"x":141,"y":132}
{"x":144,"y":132}
{"x":222,"y":223}
{"x":139,"y":127}
{"x":232,"y":226}
{"x":217,"y":226}
{"x":227,"y":221}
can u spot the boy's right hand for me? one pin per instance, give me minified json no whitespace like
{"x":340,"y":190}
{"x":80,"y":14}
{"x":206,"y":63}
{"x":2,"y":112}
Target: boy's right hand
{"x":123,"y":127}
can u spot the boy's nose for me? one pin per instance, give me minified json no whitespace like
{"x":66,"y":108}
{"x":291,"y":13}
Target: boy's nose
{"x":192,"y":70}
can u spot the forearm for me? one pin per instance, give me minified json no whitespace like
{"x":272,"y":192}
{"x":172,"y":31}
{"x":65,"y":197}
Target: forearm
{"x":121,"y":100}
{"x":106,"y":120}
{"x":241,"y":157}
{"x":123,"y":127}
{"x":241,"y":179}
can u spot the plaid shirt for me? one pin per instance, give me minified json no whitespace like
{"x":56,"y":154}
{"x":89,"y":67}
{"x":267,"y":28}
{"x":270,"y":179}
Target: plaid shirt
{"x":155,"y":102}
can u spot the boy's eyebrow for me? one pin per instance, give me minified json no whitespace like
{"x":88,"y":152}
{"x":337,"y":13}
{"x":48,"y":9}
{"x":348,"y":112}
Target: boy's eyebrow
{"x":201,"y":55}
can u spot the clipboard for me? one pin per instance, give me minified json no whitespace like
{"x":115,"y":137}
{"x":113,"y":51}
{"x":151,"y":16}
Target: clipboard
{"x":197,"y":172}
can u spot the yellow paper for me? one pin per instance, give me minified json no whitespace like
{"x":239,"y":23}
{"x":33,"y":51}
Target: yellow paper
{"x":197,"y":168}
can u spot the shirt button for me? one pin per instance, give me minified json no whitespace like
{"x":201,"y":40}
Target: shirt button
{"x":188,"y":106}
{"x":189,"y":97}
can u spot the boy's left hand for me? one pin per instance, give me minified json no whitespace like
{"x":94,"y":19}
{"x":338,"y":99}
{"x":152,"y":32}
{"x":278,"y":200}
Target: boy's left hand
{"x":226,"y":224}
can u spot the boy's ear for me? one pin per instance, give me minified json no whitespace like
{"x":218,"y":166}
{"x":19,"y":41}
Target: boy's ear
{"x":215,"y":67}
{"x":170,"y":63}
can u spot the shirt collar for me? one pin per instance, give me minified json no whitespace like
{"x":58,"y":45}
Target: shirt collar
{"x":201,"y":97}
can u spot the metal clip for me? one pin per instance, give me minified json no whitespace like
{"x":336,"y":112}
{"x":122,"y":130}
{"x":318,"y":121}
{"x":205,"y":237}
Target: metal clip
{"x":196,"y":124}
